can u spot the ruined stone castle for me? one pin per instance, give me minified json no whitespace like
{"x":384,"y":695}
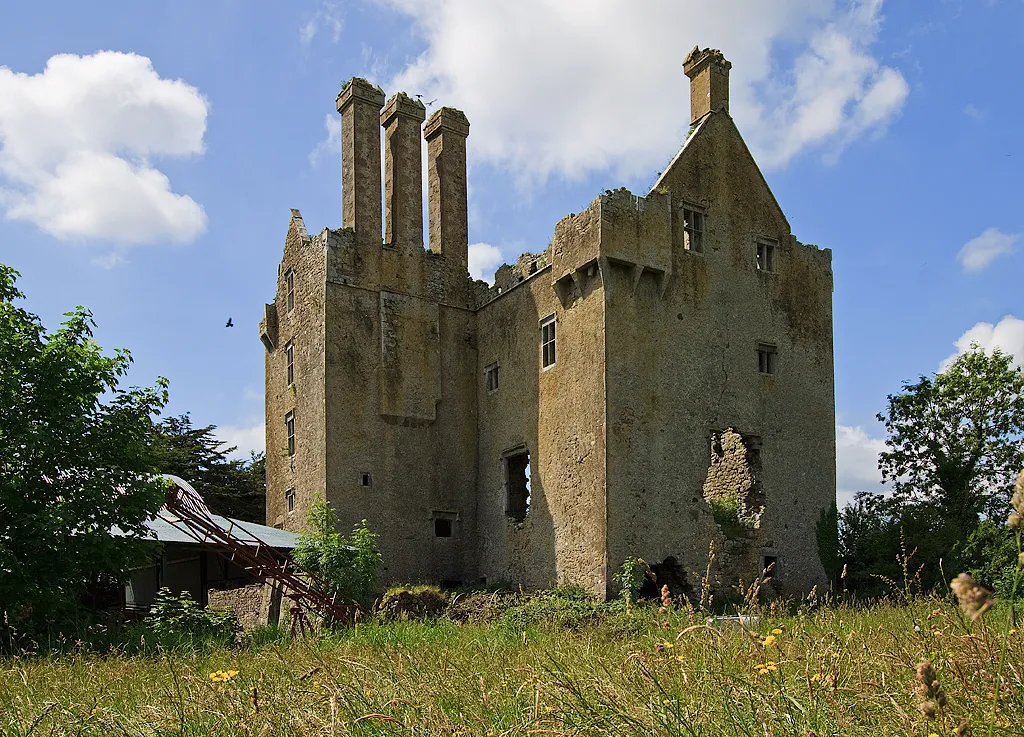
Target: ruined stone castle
{"x":658,"y":378}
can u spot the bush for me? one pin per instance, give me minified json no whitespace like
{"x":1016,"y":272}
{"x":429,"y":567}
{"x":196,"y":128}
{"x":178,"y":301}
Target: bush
{"x":347,"y":566}
{"x":568,"y":607}
{"x":413,"y":602}
{"x":176,"y":619}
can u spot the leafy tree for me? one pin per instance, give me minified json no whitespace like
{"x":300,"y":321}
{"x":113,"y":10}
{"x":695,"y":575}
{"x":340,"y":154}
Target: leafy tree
{"x":74,"y":459}
{"x":349,"y":566}
{"x":232,"y":488}
{"x":956,"y":441}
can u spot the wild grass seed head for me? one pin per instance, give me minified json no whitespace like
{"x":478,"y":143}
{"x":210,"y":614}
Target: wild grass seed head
{"x":933,"y":698}
{"x":974,"y":599}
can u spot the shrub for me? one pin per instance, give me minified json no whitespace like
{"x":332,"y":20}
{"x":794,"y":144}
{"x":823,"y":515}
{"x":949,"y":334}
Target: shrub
{"x":630,"y":577}
{"x":413,"y":602}
{"x":347,"y":566}
{"x":177,"y":619}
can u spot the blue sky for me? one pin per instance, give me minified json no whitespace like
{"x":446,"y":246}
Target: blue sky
{"x":150,"y":152}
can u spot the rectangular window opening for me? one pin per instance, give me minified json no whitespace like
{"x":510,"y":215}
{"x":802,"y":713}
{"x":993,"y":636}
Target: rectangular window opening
{"x":442,"y":527}
{"x":547,"y":342}
{"x":289,"y":352}
{"x":769,"y":566}
{"x":289,"y":287}
{"x":765,"y":256}
{"x":767,"y":358}
{"x":289,"y":497}
{"x":365,"y":479}
{"x":491,"y":377}
{"x":517,"y":485}
{"x":693,"y":230}
{"x":289,"y":424}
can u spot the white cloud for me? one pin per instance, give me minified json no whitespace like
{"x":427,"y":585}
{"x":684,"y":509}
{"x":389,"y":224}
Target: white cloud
{"x":973,"y":111}
{"x":572,"y":86}
{"x":327,"y":18}
{"x":979,"y":252}
{"x":856,"y":463}
{"x":331,"y":144}
{"x":1006,"y":335}
{"x":77,"y":142}
{"x":483,"y":260}
{"x":248,"y":439}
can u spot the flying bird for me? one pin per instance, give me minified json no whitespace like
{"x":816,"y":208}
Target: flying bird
{"x":229,"y":324}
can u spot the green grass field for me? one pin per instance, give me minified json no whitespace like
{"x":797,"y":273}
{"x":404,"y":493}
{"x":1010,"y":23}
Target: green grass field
{"x":558,"y":667}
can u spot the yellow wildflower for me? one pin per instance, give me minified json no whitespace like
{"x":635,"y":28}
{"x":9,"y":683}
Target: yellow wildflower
{"x":769,"y":641}
{"x":776,"y":631}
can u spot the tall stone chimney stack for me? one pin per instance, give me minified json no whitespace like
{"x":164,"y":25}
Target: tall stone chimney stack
{"x":708,"y":71}
{"x":446,"y":134}
{"x":359,"y":103}
{"x":403,"y":171}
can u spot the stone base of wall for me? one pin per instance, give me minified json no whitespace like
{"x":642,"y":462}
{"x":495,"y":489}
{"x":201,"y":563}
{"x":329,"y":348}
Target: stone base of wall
{"x":254,"y":606}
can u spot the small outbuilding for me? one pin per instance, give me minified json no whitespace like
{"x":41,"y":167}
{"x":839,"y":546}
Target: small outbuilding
{"x":182,"y":563}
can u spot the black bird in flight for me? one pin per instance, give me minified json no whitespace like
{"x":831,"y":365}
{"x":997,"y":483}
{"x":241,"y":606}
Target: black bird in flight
{"x":229,"y":324}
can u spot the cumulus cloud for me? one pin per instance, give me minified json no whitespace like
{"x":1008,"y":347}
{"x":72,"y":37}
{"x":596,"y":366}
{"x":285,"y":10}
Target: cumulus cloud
{"x":248,"y":439}
{"x":979,"y":252}
{"x":330,"y":145}
{"x":77,"y":143}
{"x":856,"y":463}
{"x":326,"y":19}
{"x":1007,"y":335}
{"x":483,"y":260}
{"x":568,"y":87}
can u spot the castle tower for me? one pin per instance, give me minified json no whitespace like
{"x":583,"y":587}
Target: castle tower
{"x":403,"y":172}
{"x":359,"y":103}
{"x":446,"y":133}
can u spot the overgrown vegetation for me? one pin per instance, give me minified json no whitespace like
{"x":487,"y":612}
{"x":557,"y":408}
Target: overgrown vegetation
{"x":797,"y":670}
{"x":177,"y":620}
{"x":349,"y":566}
{"x":955,"y":442}
{"x":74,"y":463}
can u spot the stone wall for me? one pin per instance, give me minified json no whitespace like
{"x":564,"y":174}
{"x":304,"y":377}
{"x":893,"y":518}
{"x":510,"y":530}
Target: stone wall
{"x":253,"y":606}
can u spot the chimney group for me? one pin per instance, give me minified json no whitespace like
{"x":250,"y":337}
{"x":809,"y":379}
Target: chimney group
{"x":363,"y":113}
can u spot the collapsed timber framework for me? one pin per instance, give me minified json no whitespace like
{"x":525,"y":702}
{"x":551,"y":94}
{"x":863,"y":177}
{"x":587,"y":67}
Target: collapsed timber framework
{"x":660,"y":377}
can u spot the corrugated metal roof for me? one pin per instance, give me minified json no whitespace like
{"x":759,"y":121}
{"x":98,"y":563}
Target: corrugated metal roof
{"x":161,"y":529}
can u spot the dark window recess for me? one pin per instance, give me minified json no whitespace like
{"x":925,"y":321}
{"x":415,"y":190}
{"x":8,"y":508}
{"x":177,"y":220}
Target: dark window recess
{"x":547,"y":342}
{"x":491,"y":377}
{"x":289,"y":424}
{"x":693,"y":229}
{"x":517,"y":486}
{"x":289,"y":352}
{"x":767,"y":358}
{"x":365,"y":479}
{"x":769,"y":565}
{"x":289,"y":497}
{"x":442,"y":527}
{"x":289,"y":288}
{"x":765,"y":256}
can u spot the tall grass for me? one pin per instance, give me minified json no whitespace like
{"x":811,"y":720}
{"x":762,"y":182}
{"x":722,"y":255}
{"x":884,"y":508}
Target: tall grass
{"x":824,"y":671}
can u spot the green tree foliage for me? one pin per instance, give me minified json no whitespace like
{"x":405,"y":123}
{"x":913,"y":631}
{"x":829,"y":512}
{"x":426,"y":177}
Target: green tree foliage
{"x":232,"y":488}
{"x":956,"y":441}
{"x":826,"y":533}
{"x":74,"y":459}
{"x":349,"y":566}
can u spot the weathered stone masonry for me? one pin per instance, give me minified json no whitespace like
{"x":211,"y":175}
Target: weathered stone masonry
{"x":664,"y":353}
